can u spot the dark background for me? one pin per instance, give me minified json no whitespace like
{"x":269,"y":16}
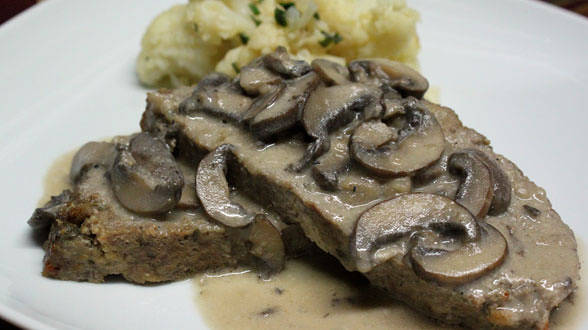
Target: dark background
{"x":10,"y":8}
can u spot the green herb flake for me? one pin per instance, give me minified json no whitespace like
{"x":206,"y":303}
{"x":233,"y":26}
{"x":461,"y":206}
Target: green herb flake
{"x":316,"y":16}
{"x":235,"y":67}
{"x":254,"y":9}
{"x":280,"y":16}
{"x":287,"y":5}
{"x":255,"y":20}
{"x":260,"y":1}
{"x":195,"y":26}
{"x":244,"y":38}
{"x":330,"y":38}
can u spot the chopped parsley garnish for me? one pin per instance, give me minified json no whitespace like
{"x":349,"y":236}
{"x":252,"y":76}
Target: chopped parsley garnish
{"x":316,"y":16}
{"x":287,"y":5}
{"x":280,"y":16}
{"x":235,"y":67}
{"x":195,"y":26}
{"x":255,"y":20}
{"x":244,"y":38}
{"x":330,"y":39}
{"x":254,"y":9}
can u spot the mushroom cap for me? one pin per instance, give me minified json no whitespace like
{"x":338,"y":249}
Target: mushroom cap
{"x":283,"y":111}
{"x":485,"y":188}
{"x":500,"y":184}
{"x":328,"y":108}
{"x":387,"y":222}
{"x":213,"y":189}
{"x":330,"y":72}
{"x":145,"y":177}
{"x":331,"y":107}
{"x":280,"y":62}
{"x":464,"y":264}
{"x":394,"y":74}
{"x":256,"y":79}
{"x":91,"y":154}
{"x":219,"y":96}
{"x":475,"y":191}
{"x":420,"y":143}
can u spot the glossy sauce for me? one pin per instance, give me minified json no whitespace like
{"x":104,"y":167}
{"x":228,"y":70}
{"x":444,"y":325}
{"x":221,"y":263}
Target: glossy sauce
{"x":313,"y":294}
{"x":308,"y":293}
{"x":570,"y":314}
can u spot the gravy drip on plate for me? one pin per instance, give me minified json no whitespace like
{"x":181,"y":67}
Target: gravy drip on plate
{"x":308,"y":294}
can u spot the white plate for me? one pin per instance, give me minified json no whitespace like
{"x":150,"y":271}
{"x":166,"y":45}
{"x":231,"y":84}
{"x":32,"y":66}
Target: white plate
{"x":516,"y":71}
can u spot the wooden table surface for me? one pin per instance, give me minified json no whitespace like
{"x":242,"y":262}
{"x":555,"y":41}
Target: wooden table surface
{"x":9,"y":8}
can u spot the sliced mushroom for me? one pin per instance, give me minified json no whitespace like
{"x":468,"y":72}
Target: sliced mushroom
{"x":475,"y":191}
{"x":500,"y":184}
{"x":394,"y":74}
{"x":217,"y":95}
{"x":189,"y":200}
{"x":329,"y":108}
{"x":91,"y":154}
{"x":387,"y":222}
{"x":428,"y":174}
{"x":280,"y":62}
{"x":420,"y":143}
{"x":263,"y":102}
{"x":493,"y":178}
{"x":267,"y":245}
{"x":145,"y":177}
{"x":394,"y":105}
{"x":330,"y":72}
{"x":213,"y":189}
{"x":190,"y":104}
{"x":255,"y":79}
{"x":330,"y":165}
{"x":375,"y":108}
{"x":464,"y":264}
{"x":284,"y":111}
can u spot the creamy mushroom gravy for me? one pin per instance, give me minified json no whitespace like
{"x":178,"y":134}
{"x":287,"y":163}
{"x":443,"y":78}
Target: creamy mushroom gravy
{"x":308,"y":290}
{"x":320,"y":294}
{"x":309,"y":294}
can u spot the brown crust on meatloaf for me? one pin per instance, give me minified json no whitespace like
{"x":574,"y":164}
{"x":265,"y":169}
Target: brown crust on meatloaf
{"x":91,"y":250}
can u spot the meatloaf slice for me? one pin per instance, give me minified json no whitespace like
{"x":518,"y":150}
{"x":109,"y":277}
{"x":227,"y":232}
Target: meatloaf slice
{"x":92,"y":235}
{"x":538,"y":272}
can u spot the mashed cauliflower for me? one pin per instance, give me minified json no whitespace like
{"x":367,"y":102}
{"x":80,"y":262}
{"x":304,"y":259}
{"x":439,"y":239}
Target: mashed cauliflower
{"x":188,"y":41}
